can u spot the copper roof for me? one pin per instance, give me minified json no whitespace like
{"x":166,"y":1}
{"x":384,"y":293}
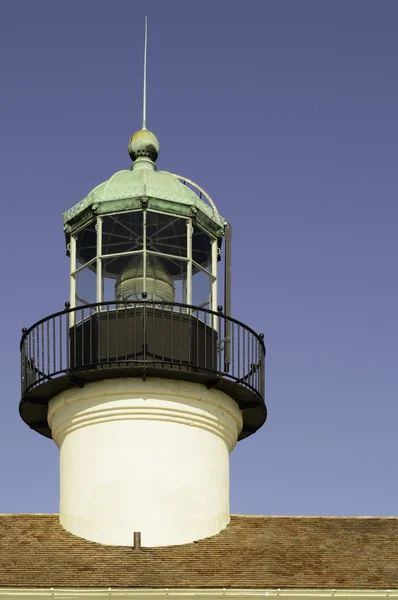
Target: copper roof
{"x":252,"y":552}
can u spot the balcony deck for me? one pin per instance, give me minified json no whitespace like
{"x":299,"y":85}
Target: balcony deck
{"x":141,"y":339}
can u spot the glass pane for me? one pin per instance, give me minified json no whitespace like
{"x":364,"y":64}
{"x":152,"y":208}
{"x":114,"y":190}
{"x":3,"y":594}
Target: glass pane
{"x":109,"y":277}
{"x":166,"y":234}
{"x":86,"y":285}
{"x":177,"y":273}
{"x":86,"y":244}
{"x":122,"y":232}
{"x":201,"y":247}
{"x":201,"y":289}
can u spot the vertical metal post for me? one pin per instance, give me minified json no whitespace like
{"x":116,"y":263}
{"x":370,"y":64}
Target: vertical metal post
{"x":227,"y":292}
{"x":189,"y":263}
{"x":213,"y":283}
{"x":144,"y":249}
{"x":73,"y":267}
{"x":99,"y":287}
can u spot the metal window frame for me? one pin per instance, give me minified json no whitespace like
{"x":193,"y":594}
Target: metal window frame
{"x":72,"y":274}
{"x":227,"y":292}
{"x":100,"y":285}
{"x":84,"y":266}
{"x":186,"y":279}
{"x":189,"y":257}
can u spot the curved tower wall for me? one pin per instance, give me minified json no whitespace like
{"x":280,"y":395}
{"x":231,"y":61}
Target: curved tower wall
{"x":149,"y":456}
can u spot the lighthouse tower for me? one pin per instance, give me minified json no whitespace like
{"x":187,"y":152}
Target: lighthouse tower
{"x":145,"y":381}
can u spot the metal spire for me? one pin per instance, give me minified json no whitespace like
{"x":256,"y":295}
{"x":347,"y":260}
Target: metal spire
{"x":144,"y":95}
{"x":144,"y":143}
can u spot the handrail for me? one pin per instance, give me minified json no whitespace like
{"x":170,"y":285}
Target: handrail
{"x":197,"y":187}
{"x":26,"y":331}
{"x":142,"y":334}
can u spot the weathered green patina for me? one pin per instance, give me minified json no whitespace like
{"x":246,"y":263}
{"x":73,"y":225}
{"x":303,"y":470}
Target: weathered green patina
{"x":143,"y":187}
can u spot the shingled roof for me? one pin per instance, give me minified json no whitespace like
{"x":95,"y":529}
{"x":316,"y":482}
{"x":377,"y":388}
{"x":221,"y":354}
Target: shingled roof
{"x":252,"y":552}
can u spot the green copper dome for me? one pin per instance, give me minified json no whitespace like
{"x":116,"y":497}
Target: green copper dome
{"x":140,"y":187}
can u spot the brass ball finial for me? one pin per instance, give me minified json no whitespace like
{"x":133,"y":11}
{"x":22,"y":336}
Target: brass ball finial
{"x":143,"y":143}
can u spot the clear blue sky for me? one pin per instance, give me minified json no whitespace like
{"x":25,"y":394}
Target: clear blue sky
{"x":285,"y":111}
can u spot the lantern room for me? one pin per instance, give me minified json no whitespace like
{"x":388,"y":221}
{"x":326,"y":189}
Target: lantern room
{"x":145,"y":235}
{"x":150,"y":279}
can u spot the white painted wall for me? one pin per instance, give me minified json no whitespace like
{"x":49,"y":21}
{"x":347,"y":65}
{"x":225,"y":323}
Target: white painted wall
{"x":149,"y":456}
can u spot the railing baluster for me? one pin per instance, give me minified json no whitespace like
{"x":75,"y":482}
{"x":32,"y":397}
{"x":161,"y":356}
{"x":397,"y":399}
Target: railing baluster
{"x":205,"y":338}
{"x":41,"y":337}
{"x":189,"y":338}
{"x":91,"y":336}
{"x":232,"y":331}
{"x":248,"y":358}
{"x":171,"y":334}
{"x":135,"y":334}
{"x":34,"y":350}
{"x":48,"y":346}
{"x":220,"y":351}
{"x":180,"y":339}
{"x":23,"y":368}
{"x":117,"y":335}
{"x":238,"y":328}
{"x":163,"y":335}
{"x":145,"y":332}
{"x":255,"y":367}
{"x":83,"y":335}
{"x":260,"y":367}
{"x":254,"y":362}
{"x":53,"y":349}
{"x":72,"y":360}
{"x":107,"y":334}
{"x":99,"y":321}
{"x":32,"y":360}
{"x":213,"y":327}
{"x":243,"y":354}
{"x":153,"y":336}
{"x":197,"y":339}
{"x":60,"y":343}
{"x":28,"y":367}
{"x":126,"y":333}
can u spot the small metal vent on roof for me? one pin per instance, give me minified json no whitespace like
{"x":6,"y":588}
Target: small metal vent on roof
{"x":137,"y":542}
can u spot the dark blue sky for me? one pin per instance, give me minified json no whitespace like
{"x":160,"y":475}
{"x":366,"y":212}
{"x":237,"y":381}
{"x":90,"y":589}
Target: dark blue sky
{"x":285,"y":111}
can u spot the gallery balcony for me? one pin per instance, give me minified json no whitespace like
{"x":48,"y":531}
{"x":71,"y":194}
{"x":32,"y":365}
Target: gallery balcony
{"x":141,"y":339}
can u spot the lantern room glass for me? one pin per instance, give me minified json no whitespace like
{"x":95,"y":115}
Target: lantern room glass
{"x":140,"y":255}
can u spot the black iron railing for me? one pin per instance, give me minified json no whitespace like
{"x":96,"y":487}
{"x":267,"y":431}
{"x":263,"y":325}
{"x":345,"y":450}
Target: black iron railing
{"x":144,"y":335}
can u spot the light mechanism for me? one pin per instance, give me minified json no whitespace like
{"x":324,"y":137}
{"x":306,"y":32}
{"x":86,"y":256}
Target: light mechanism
{"x":154,"y":281}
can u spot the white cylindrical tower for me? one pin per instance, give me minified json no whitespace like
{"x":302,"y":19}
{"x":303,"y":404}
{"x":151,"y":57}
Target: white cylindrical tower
{"x":149,"y":456}
{"x":145,"y":381}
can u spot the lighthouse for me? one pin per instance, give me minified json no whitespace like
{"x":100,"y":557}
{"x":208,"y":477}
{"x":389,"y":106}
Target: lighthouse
{"x":144,"y":380}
